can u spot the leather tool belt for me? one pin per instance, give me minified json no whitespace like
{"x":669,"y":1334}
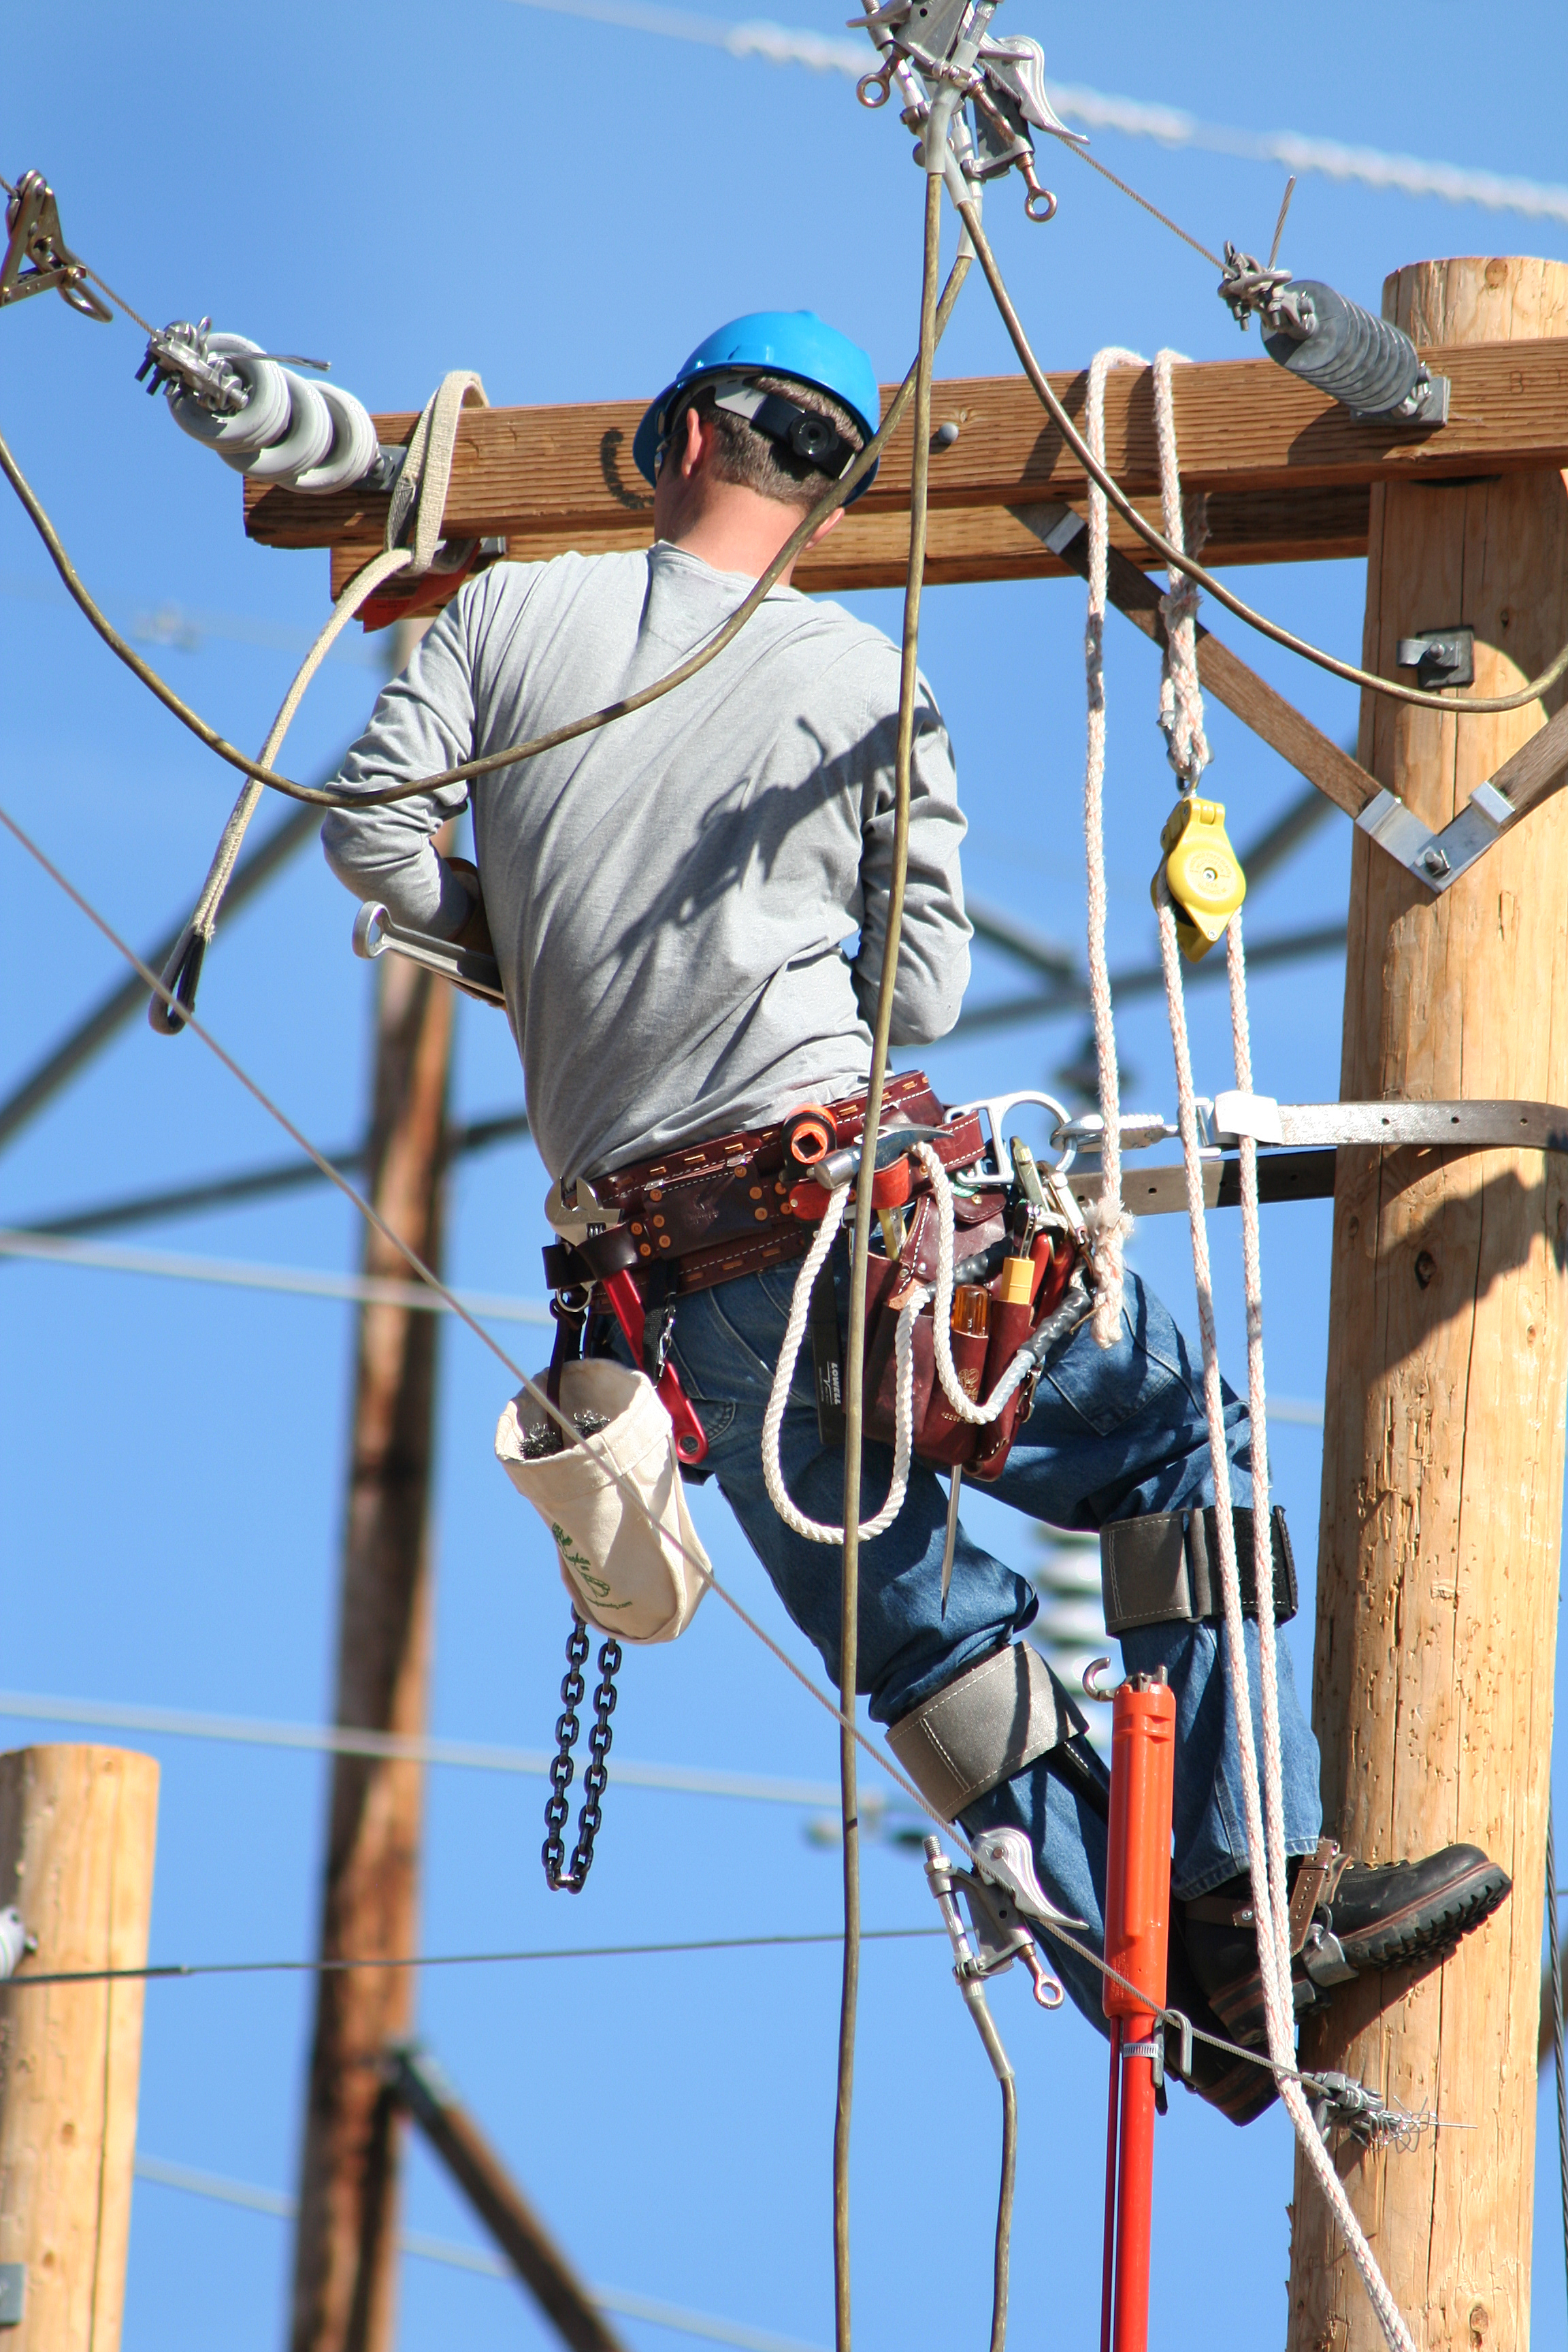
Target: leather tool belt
{"x":716,"y":1210}
{"x":712,"y":1211}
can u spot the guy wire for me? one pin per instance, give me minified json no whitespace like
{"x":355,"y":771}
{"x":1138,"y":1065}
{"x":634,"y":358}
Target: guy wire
{"x":1077,"y":148}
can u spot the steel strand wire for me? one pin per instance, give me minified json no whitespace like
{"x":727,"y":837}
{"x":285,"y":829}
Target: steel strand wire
{"x":1473,"y":706}
{"x":855,"y":1369}
{"x":321,"y":796}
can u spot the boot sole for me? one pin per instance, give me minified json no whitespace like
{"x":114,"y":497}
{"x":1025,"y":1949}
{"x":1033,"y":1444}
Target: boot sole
{"x":1430,"y":1928}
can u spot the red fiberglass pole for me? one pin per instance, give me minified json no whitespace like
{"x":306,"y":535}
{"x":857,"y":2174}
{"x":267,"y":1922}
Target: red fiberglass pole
{"x":1136,"y":1918}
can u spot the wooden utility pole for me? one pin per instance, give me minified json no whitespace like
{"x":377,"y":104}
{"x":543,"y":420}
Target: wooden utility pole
{"x":1444,"y":1424}
{"x":345,"y":2248}
{"x":78,"y":1827}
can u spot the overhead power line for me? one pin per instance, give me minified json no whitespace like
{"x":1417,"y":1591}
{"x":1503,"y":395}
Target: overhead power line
{"x":1297,"y":151}
{"x":463,"y":1755}
{"x":242,"y":1274}
{"x":616,"y":2301}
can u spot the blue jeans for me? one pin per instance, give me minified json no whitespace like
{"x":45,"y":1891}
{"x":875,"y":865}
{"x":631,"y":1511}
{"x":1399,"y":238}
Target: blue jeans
{"x":1113,"y":1432}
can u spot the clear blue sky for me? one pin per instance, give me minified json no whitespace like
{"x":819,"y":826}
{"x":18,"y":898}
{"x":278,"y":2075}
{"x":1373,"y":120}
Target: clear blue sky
{"x":568,"y":208}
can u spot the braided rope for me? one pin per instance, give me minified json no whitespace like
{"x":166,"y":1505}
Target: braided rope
{"x":816,"y":1530}
{"x":1113,"y":1223}
{"x":1181,"y":694}
{"x":1264,"y":1843}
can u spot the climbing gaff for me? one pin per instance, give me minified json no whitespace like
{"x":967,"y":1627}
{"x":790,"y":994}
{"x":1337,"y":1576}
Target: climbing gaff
{"x":1137,"y":1923}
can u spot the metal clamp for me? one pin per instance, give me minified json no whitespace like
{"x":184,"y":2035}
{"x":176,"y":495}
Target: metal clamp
{"x":33,"y":223}
{"x":1437,"y":859}
{"x":375,"y":933}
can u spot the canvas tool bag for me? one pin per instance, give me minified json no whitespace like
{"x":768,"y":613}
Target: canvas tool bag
{"x":636,"y":1574}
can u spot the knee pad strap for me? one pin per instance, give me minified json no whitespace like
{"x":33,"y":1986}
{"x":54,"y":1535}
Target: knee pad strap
{"x":982,"y":1728}
{"x":1163,"y":1569}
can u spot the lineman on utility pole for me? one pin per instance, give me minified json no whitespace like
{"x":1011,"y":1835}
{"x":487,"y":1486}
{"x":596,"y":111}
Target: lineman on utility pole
{"x":670,"y":900}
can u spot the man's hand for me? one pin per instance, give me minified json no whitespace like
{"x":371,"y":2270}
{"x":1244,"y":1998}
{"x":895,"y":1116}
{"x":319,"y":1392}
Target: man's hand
{"x":475,"y":932}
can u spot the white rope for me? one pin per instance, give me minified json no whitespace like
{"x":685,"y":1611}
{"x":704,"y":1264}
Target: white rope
{"x":1180,"y":694}
{"x":1265,"y":1845}
{"x":980,"y":1416}
{"x":816,"y":1530}
{"x":1113,"y":1223}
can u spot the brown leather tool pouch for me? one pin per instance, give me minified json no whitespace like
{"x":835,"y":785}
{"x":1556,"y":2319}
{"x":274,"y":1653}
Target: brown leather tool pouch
{"x":941,"y":1438}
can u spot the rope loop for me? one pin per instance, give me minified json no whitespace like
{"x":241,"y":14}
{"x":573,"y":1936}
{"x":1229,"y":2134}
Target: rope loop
{"x":816,"y":1530}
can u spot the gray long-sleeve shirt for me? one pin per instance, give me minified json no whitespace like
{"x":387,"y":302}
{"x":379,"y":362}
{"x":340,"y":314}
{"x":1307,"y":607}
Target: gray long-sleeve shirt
{"x":668,"y":898}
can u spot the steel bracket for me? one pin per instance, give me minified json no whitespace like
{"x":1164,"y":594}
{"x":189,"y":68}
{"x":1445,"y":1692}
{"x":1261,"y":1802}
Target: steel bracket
{"x":1439,"y":657}
{"x":1437,"y":859}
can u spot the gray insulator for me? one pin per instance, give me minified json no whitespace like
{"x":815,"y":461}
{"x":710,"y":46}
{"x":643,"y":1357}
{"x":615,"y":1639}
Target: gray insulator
{"x":266,"y":412}
{"x":307,"y":441}
{"x":354,"y":450}
{"x":1352,"y":356}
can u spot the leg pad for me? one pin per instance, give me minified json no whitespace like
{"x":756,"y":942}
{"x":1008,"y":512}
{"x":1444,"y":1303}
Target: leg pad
{"x":1163,"y":1569}
{"x":978,"y":1730}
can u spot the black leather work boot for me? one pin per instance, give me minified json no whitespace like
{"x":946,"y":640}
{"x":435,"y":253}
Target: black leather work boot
{"x":1392,"y":1916}
{"x":1238,"y":2087}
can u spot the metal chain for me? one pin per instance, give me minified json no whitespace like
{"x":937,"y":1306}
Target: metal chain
{"x":557,"y":1877}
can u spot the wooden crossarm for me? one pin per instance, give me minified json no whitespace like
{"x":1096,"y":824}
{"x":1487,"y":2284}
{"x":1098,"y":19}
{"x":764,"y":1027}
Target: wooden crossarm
{"x":554,"y":477}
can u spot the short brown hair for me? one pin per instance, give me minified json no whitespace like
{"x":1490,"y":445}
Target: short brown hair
{"x":755,"y":461}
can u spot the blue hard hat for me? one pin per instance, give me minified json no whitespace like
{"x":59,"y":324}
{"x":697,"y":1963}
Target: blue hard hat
{"x":792,"y":343}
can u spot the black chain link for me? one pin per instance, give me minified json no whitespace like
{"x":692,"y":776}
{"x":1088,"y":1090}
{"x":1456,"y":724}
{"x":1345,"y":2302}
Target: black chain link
{"x":596,"y":1779}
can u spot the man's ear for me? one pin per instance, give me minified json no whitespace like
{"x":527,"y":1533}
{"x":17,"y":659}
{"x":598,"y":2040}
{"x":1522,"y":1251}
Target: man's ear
{"x":690,"y":436}
{"x":820,"y":533}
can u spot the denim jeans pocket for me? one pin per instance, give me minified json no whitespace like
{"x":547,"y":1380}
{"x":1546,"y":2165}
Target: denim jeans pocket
{"x":1145,"y":1374}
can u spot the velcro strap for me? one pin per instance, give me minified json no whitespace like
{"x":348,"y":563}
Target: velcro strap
{"x":977,"y":1731}
{"x":1163,"y":1569}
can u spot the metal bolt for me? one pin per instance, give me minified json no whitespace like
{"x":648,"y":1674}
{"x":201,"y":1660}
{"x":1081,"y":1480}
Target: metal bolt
{"x":1434,"y":861}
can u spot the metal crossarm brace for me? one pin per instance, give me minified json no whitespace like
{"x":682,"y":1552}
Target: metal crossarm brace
{"x":1436,"y":859}
{"x":1536,"y":770}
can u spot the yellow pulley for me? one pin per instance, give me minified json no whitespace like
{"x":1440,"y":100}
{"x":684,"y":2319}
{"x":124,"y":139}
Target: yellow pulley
{"x":1202,"y":875}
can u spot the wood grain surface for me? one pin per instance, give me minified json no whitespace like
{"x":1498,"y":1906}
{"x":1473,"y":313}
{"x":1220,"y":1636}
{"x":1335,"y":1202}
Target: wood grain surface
{"x":1243,"y":427}
{"x":1444,"y":1424}
{"x":78,"y":1828}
